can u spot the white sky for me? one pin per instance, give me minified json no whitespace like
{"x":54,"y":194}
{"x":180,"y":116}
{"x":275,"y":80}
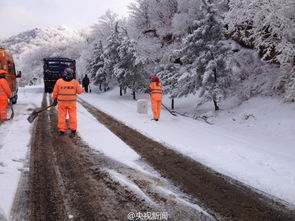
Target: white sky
{"x":23,"y":15}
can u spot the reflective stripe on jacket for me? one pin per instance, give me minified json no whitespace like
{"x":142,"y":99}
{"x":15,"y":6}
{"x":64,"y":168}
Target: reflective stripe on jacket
{"x":156,"y":91}
{"x":5,"y":91}
{"x":66,"y":91}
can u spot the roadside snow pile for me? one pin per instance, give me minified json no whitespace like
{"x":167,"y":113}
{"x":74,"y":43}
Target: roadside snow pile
{"x":256,"y":148}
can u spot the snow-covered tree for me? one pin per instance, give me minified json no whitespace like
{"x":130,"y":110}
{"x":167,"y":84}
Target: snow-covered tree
{"x":140,"y":14}
{"x":268,"y":25}
{"x":111,"y":56}
{"x":96,"y":63}
{"x":203,"y":57}
{"x":286,"y":83}
{"x":188,"y":11}
{"x":153,"y":17}
{"x":105,"y":26}
{"x":168,"y":81}
{"x":129,"y":70}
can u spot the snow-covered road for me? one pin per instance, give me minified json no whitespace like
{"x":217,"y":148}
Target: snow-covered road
{"x":265,"y":161}
{"x":254,"y":151}
{"x":14,"y":145}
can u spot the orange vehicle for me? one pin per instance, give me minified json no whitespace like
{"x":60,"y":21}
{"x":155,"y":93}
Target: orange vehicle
{"x":7,"y":63}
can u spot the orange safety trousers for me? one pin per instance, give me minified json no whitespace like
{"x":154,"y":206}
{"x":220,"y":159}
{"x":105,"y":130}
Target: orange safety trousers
{"x":156,"y":107}
{"x":5,"y":94}
{"x":69,"y":108}
{"x":3,"y":109}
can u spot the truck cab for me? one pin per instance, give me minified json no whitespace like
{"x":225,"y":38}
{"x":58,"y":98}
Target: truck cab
{"x":7,"y":64}
{"x":53,"y":69}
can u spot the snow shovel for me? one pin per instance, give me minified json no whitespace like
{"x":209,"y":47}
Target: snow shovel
{"x":170,"y":111}
{"x":35,"y":113}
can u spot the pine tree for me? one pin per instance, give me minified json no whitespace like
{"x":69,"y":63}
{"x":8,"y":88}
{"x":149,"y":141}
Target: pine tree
{"x":168,"y":74}
{"x":111,"y":57}
{"x":268,"y":25}
{"x":204,"y":58}
{"x":129,"y":70}
{"x":95,"y":64}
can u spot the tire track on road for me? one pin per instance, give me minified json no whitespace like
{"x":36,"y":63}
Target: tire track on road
{"x":69,"y":181}
{"x":226,"y":197}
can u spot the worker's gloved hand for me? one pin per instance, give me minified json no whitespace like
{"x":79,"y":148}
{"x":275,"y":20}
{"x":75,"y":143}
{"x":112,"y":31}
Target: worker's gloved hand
{"x":54,"y":102}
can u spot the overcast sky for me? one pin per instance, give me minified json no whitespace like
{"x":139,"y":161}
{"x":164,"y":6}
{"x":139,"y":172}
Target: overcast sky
{"x":22,"y":15}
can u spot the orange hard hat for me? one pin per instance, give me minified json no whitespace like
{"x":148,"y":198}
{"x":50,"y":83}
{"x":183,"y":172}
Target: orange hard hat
{"x":3,"y":71}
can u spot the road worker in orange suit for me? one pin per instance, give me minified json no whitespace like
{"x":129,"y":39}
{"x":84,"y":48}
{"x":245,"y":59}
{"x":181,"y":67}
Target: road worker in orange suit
{"x":156,"y":92}
{"x":5,"y":94}
{"x":65,"y":95}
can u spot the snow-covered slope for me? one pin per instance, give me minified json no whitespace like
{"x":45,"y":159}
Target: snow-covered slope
{"x":30,"y":47}
{"x":39,"y":37}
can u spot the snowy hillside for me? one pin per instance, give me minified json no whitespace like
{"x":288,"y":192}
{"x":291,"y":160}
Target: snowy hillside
{"x":39,"y":37}
{"x":30,"y":47}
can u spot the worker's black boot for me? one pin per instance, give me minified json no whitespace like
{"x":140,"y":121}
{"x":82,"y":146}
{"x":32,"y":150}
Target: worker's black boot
{"x":73,"y":132}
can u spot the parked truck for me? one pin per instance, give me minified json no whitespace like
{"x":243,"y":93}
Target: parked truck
{"x":7,"y":63}
{"x":53,"y":68}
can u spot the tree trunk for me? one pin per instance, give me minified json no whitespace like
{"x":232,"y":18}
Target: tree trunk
{"x":172,"y":104}
{"x":215,"y":75}
{"x":134,"y":95}
{"x":106,"y":86}
{"x":214,"y":101}
{"x":215,"y":105}
{"x":121,"y":92}
{"x":100,"y":89}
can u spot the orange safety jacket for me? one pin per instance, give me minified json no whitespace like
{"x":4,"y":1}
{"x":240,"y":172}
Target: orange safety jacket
{"x":5,"y":91}
{"x":66,"y":91}
{"x":156,"y":91}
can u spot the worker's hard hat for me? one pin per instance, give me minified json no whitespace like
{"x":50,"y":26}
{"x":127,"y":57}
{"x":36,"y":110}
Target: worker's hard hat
{"x":155,"y":79}
{"x":68,"y":74}
{"x":3,"y":71}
